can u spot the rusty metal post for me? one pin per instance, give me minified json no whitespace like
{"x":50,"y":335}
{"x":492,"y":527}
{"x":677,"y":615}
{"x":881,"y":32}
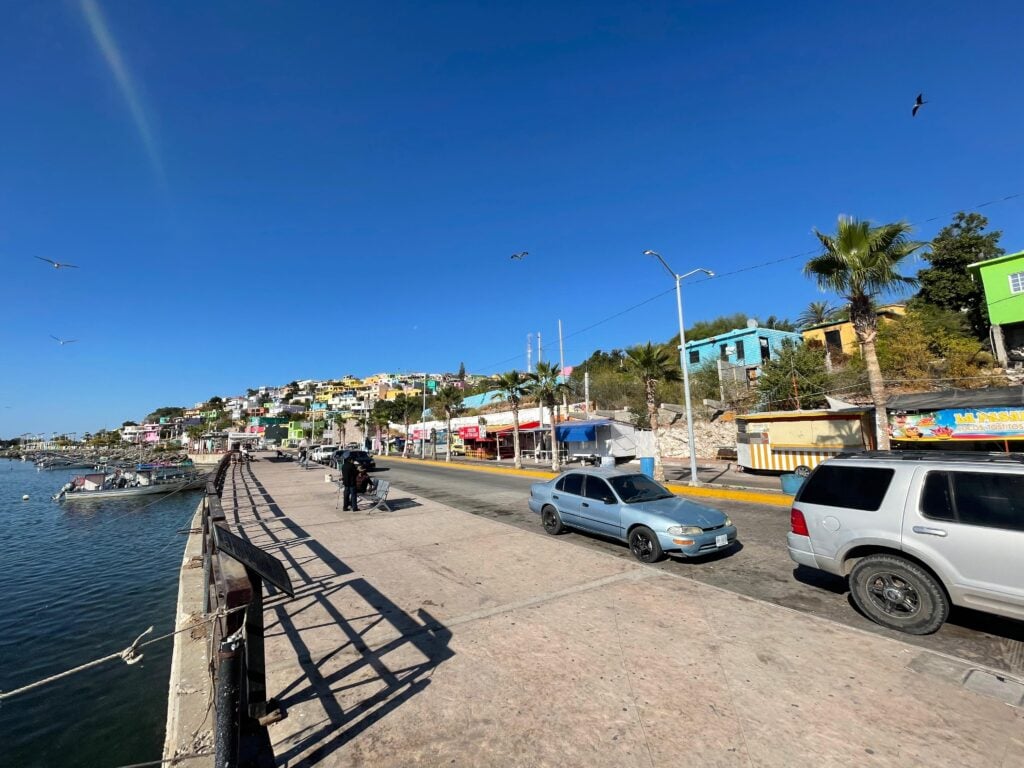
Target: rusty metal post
{"x":227,"y":698}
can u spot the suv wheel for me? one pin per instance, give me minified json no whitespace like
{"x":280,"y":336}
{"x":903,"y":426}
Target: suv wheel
{"x":898,"y":594}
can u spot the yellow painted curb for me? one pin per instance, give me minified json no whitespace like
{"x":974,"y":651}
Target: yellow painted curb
{"x":733,"y":494}
{"x":706,"y":492}
{"x":473,"y":468}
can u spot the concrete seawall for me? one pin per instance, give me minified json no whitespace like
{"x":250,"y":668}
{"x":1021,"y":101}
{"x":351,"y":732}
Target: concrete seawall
{"x":190,"y":717}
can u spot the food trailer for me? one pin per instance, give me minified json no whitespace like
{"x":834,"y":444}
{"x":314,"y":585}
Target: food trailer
{"x":798,"y":441}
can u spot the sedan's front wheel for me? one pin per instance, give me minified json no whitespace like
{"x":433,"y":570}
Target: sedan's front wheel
{"x":644,"y":544}
{"x":551,"y":521}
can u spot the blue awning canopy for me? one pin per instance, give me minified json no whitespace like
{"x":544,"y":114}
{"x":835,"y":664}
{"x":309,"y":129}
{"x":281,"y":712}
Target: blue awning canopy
{"x":579,"y":431}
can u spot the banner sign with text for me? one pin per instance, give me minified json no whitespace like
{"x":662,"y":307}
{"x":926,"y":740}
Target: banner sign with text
{"x":958,"y":424}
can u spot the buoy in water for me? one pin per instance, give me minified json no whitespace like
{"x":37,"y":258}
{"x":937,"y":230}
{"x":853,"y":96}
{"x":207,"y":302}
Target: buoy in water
{"x":24,"y":497}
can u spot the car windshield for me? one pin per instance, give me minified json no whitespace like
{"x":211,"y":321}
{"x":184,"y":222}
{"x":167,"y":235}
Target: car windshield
{"x":637,"y":488}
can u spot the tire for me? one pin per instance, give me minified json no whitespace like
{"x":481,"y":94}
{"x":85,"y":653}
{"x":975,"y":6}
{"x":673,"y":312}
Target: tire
{"x":551,"y":521}
{"x":644,"y":545}
{"x":802,"y":471}
{"x":898,"y":594}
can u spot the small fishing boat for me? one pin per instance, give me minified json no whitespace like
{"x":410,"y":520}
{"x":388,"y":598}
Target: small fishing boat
{"x":144,"y":480}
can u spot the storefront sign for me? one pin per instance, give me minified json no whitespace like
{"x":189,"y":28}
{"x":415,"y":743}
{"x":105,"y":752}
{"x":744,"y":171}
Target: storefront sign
{"x":473,"y":433}
{"x":958,"y":424}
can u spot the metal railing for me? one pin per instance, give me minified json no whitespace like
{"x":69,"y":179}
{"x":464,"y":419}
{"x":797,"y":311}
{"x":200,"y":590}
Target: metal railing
{"x":233,"y":592}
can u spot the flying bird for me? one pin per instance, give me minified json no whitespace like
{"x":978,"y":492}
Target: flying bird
{"x":520,"y":255}
{"x":917,"y":104}
{"x":57,"y":264}
{"x":62,"y":342}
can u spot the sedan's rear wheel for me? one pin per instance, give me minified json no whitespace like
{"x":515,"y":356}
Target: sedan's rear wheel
{"x":644,"y":545}
{"x":898,"y":594}
{"x":551,"y":521}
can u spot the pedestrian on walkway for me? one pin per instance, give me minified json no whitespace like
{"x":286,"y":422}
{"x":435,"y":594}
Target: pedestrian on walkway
{"x":348,"y":483}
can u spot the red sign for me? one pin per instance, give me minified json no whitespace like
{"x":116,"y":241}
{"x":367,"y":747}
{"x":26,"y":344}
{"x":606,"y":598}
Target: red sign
{"x":472,"y":433}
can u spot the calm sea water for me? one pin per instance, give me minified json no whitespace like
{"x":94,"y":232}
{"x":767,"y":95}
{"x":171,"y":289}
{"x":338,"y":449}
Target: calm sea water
{"x":81,"y":581}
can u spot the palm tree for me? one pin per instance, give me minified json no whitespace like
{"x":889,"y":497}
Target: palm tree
{"x":448,"y":401}
{"x":653,"y":364}
{"x":512,"y":387}
{"x":547,"y":386}
{"x":860,"y":262}
{"x":406,"y":409}
{"x":817,"y":312}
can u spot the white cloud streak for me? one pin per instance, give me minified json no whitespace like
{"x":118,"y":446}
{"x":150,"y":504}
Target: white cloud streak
{"x":112,"y":54}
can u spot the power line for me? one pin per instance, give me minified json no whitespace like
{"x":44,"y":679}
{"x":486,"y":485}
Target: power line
{"x":749,"y":268}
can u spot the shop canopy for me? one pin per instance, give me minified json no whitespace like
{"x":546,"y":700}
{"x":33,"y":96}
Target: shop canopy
{"x":504,"y":429}
{"x":990,"y":397}
{"x":579,"y":431}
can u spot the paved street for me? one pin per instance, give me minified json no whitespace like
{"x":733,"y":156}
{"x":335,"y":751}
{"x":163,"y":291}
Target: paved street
{"x":760,"y":567}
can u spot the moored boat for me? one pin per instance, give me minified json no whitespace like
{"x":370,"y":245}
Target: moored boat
{"x":126,"y":483}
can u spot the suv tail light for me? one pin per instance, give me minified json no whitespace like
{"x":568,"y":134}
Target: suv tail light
{"x":797,"y":522}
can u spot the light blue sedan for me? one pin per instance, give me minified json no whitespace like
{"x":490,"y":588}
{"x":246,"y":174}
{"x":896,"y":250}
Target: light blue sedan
{"x":632,"y":508}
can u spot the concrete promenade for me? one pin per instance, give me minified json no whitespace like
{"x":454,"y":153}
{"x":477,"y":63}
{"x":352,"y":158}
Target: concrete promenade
{"x":429,"y":636}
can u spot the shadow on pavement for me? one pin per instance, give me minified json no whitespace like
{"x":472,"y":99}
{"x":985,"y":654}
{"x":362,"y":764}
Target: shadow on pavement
{"x":353,"y":608}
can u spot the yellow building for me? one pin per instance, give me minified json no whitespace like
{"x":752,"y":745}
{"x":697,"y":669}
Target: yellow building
{"x":839,"y":336}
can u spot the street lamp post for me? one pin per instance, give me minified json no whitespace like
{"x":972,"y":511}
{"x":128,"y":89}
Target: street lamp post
{"x":423,"y":422}
{"x":682,"y":356}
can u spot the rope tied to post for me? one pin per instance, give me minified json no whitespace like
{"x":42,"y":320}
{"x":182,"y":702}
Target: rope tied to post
{"x":129,"y":655}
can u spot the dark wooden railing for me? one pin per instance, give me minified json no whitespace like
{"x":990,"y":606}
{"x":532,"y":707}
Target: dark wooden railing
{"x":234,"y":593}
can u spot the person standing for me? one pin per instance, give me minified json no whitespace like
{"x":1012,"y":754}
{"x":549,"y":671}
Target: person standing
{"x":348,"y":483}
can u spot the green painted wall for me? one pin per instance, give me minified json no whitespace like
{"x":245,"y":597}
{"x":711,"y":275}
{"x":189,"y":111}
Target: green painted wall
{"x":1004,"y":306}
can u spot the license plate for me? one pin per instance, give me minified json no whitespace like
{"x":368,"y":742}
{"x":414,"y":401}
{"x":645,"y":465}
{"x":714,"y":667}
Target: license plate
{"x":722,"y":541}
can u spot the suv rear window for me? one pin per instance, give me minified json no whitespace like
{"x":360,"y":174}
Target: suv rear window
{"x":990,"y":500}
{"x":836,"y":485}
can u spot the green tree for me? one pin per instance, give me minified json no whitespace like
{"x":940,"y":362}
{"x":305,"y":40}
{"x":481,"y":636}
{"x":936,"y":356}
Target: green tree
{"x":795,"y":378}
{"x":512,"y":387}
{"x":462,"y":371}
{"x":946,"y":283}
{"x":406,"y":409}
{"x":817,"y":312}
{"x":860,"y":262}
{"x":129,"y":424}
{"x":448,"y":403}
{"x":214,"y":402}
{"x":778,"y":323}
{"x":652,"y":365}
{"x":548,"y":387}
{"x":705,"y":329}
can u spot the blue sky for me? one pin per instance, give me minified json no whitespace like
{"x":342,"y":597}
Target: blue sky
{"x":259,"y":192}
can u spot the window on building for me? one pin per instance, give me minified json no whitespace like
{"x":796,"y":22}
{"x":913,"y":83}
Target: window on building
{"x":766,"y":352}
{"x":723,"y":351}
{"x":1017,"y":282}
{"x":694,"y":356}
{"x":739,"y":351}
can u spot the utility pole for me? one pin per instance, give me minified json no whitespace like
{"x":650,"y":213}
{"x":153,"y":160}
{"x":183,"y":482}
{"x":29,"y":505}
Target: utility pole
{"x":796,"y":392}
{"x":540,"y":349}
{"x":529,"y":353}
{"x":586,"y":392}
{"x":561,"y":365}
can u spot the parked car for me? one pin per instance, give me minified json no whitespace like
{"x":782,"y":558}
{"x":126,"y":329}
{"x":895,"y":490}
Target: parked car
{"x":360,"y":457}
{"x":630,"y":507}
{"x":322,"y":453}
{"x":916,"y":531}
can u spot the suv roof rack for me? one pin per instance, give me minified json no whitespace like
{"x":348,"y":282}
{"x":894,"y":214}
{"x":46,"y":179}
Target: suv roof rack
{"x":952,"y":456}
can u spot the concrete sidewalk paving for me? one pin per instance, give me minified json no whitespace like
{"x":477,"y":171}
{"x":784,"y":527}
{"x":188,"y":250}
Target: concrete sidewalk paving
{"x":429,"y":636}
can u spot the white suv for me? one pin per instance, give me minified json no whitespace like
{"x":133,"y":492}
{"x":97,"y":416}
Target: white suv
{"x":917,"y":531}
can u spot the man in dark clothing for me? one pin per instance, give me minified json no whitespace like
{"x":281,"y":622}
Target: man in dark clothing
{"x":348,"y":483}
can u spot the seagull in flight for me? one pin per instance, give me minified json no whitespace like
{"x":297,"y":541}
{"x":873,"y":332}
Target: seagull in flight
{"x":917,"y":104}
{"x":61,"y":341}
{"x":520,"y":255}
{"x":57,"y":264}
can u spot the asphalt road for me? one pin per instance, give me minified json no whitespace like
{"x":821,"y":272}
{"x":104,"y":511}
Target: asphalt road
{"x":759,"y":566}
